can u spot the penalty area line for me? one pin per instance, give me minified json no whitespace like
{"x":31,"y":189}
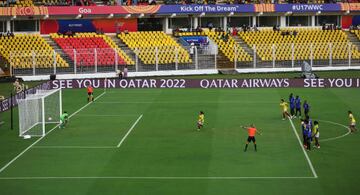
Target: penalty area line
{"x":75,"y":147}
{"x":151,"y":178}
{"x":129,"y":131}
{"x":38,"y":140}
{"x":302,"y":147}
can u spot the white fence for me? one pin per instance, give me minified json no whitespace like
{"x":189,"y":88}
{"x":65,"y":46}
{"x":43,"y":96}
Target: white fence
{"x":185,"y":58}
{"x":110,"y":60}
{"x":293,"y":55}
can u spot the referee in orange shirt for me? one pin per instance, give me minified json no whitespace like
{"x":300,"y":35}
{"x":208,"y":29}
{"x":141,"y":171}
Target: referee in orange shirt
{"x":251,"y":138}
{"x":90,"y":91}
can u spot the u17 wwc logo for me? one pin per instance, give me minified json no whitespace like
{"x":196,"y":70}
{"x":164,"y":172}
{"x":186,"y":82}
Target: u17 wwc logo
{"x":307,"y":7}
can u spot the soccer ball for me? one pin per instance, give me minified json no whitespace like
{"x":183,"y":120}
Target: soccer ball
{"x":50,"y":118}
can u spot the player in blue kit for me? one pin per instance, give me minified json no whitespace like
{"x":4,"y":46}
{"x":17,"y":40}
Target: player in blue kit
{"x":306,"y":107}
{"x":309,"y":121}
{"x":292,"y":104}
{"x":308,"y":135}
{"x":297,"y":106}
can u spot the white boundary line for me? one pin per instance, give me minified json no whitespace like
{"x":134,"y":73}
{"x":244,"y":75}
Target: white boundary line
{"x":302,"y":147}
{"x":129,"y":131}
{"x":105,"y":115}
{"x":182,"y":102}
{"x":338,"y":137}
{"x":38,"y":140}
{"x":32,"y":126}
{"x":74,"y":147}
{"x":153,"y":178}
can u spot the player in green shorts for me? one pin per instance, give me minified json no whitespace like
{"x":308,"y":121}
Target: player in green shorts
{"x":63,"y":120}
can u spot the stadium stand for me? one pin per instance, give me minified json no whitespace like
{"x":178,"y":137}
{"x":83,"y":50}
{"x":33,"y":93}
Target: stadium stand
{"x":85,"y":45}
{"x":25,"y":51}
{"x":226,"y":44}
{"x":149,"y":44}
{"x":16,"y":3}
{"x":302,"y":41}
{"x":53,"y":2}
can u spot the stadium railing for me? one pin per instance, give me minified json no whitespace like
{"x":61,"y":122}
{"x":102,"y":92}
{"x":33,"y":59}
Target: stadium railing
{"x":294,"y":55}
{"x":281,"y":56}
{"x":199,"y":58}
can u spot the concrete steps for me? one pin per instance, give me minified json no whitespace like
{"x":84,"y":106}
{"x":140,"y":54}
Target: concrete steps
{"x":246,"y":47}
{"x":223,"y":62}
{"x":353,"y":39}
{"x":204,"y":61}
{"x":58,"y":50}
{"x":123,"y":46}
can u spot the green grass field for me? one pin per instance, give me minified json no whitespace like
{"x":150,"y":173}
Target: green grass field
{"x":162,"y":153}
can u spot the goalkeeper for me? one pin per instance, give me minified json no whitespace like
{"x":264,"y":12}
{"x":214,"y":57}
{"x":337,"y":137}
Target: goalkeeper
{"x":64,"y":118}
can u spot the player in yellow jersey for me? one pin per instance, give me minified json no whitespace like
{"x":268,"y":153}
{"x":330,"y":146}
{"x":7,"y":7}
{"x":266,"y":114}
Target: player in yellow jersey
{"x":201,"y":120}
{"x":284,"y":107}
{"x":352,"y":122}
{"x":316,"y":134}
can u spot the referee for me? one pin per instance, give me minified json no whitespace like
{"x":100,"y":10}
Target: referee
{"x":251,"y":138}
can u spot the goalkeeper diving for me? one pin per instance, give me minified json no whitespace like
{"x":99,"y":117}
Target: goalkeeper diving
{"x":64,"y":119}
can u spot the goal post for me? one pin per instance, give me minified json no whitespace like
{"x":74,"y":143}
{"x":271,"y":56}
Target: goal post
{"x":37,"y":110}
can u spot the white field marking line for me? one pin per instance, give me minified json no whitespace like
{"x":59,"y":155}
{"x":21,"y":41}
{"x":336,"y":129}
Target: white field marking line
{"x":153,"y":178}
{"x":338,"y":137}
{"x":129,"y":131}
{"x":105,"y":115}
{"x":302,"y":147}
{"x":32,"y":126}
{"x":38,"y":140}
{"x":74,"y":147}
{"x":182,"y":102}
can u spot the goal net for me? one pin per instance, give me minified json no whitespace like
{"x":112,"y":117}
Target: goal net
{"x":37,"y":110}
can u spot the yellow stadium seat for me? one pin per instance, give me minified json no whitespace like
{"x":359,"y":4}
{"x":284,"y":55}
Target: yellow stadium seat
{"x":301,"y":45}
{"x":144,"y":44}
{"x":26,"y":51}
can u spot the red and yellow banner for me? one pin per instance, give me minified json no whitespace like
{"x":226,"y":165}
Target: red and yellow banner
{"x":350,"y":6}
{"x":23,"y":11}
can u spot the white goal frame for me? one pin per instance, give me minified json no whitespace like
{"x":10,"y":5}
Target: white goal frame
{"x":36,"y":114}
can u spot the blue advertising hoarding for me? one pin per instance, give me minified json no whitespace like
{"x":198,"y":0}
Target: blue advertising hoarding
{"x":307,"y":7}
{"x":189,"y":9}
{"x":76,"y":26}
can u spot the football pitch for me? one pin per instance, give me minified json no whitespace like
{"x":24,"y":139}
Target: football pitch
{"x":144,"y":141}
